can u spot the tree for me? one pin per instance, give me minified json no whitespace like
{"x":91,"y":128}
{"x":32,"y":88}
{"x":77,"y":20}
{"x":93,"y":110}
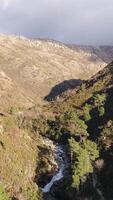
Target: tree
{"x":83,"y":155}
{"x":66,"y":125}
{"x":71,"y":123}
{"x":101,"y":111}
{"x":99,"y":100}
{"x":86,"y":112}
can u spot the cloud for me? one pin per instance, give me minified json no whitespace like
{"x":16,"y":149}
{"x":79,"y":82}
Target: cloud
{"x":5,"y":3}
{"x":72,"y":21}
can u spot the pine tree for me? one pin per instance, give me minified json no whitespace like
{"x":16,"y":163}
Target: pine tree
{"x":83,"y":155}
{"x":86,"y":112}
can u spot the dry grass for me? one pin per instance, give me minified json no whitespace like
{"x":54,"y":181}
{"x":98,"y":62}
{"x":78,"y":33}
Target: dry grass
{"x":18,"y":160}
{"x":30,"y":68}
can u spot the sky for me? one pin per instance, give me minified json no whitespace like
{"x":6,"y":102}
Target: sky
{"x":70,"y":21}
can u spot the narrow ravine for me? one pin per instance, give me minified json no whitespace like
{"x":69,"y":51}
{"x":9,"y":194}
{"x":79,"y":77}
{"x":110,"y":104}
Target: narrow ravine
{"x":59,"y":157}
{"x":62,"y":162}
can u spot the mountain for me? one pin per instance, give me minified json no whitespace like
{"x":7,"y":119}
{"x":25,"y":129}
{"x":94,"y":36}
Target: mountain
{"x":31,"y":69}
{"x":103,"y":52}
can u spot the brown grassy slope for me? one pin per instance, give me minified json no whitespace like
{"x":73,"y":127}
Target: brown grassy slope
{"x":30,"y":68}
{"x":24,"y":157}
{"x":18,"y":159}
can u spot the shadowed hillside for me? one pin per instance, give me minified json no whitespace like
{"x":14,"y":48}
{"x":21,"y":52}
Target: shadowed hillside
{"x":57,"y":90}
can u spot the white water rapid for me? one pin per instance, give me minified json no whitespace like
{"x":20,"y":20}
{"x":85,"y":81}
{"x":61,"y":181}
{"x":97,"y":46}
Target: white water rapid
{"x":59,"y":154}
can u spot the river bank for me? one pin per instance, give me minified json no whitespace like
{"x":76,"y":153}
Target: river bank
{"x":55,"y":188}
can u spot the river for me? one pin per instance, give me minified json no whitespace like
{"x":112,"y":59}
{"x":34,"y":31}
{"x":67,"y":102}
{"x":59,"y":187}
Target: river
{"x":59,"y":157}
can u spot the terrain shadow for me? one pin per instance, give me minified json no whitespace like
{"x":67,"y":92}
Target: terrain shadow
{"x":57,"y":90}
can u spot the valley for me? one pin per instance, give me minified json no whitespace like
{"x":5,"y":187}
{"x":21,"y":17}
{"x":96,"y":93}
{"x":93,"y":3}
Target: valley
{"x":56,"y":120}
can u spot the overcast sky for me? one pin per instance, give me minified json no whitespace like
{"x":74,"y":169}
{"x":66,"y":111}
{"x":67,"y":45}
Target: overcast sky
{"x":69,"y":21}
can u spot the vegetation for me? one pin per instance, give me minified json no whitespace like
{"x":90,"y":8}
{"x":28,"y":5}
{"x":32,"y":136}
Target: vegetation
{"x":82,"y":154}
{"x":82,"y":86}
{"x":86,"y":112}
{"x":87,"y":118}
{"x":99,"y":101}
{"x":3,"y":194}
{"x":108,"y":130}
{"x":101,"y":111}
{"x":20,"y":157}
{"x":83,"y":122}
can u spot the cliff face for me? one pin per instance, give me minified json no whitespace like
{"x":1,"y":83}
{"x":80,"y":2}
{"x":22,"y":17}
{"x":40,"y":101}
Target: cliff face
{"x":29,"y":69}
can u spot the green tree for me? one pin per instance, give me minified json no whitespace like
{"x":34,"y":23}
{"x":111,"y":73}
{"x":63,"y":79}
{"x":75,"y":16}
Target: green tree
{"x":82,"y":154}
{"x":71,"y":123}
{"x":101,"y":111}
{"x":99,"y":100}
{"x":86,"y":112}
{"x":67,"y":123}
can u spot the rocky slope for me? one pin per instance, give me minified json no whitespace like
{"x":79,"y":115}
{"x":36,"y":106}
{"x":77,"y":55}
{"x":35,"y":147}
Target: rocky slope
{"x":30,"y":69}
{"x":103,"y":52}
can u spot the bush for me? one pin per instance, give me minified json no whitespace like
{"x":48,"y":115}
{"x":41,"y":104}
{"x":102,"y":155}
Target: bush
{"x":99,"y":100}
{"x":13,"y":110}
{"x":3,"y":194}
{"x":82,"y":87}
{"x":108,"y":130}
{"x":101,"y":111}
{"x":32,"y":193}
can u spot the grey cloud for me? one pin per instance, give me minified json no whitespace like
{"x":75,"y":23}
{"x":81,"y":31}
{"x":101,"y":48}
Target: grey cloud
{"x":72,"y":21}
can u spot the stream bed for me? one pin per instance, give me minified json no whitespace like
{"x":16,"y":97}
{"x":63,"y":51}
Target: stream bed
{"x":62,"y":162}
{"x":59,"y":174}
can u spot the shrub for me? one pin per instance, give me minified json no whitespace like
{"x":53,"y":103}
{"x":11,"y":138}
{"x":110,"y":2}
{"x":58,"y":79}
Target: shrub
{"x":32,"y":193}
{"x":82,"y":86}
{"x":3,"y":194}
{"x":99,"y":100}
{"x":101,"y":111}
{"x":108,"y":130}
{"x":13,"y":110}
